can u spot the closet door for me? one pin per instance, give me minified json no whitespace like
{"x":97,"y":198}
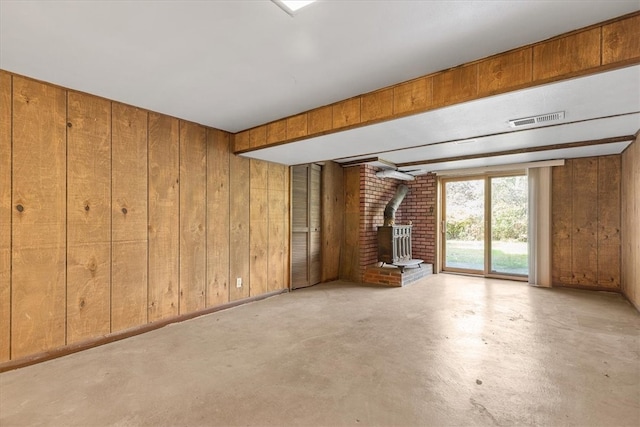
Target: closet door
{"x":306,"y":232}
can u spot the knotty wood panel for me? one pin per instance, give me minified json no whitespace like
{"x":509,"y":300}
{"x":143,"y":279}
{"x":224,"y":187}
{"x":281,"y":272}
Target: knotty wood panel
{"x":561,"y":223}
{"x":277,"y":254}
{"x":38,"y":235}
{"x":377,"y":105}
{"x":259,"y":227}
{"x":5,"y":215}
{"x":630,"y":183}
{"x":350,"y":258}
{"x":241,"y":141}
{"x":193,"y":193}
{"x":585,"y":222}
{"x":576,"y":52}
{"x":320,"y":120}
{"x":346,"y":113}
{"x":239,"y":227}
{"x":455,"y":85}
{"x":277,"y":131}
{"x":164,"y":216}
{"x":621,"y":40}
{"x":217,"y":217}
{"x":505,"y":71}
{"x":258,"y":136}
{"x":414,"y":95}
{"x":297,"y":126}
{"x":88,"y":217}
{"x":128,"y":217}
{"x":332,"y":219}
{"x":608,"y":222}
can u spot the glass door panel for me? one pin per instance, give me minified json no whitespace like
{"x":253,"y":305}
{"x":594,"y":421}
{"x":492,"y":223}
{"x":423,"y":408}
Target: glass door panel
{"x":464,"y":248}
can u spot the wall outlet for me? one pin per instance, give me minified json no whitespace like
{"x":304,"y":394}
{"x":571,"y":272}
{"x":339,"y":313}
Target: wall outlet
{"x":238,"y":282}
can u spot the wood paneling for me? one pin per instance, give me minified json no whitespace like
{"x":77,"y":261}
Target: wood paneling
{"x":506,"y":71}
{"x":377,"y":105}
{"x":320,"y":120}
{"x":455,"y":85}
{"x":297,"y":126}
{"x":259,"y":227}
{"x":164,"y":216}
{"x":5,"y":215}
{"x":566,"y":55}
{"x":241,"y":141}
{"x":88,"y":217}
{"x":128,"y":217}
{"x":193,"y":211}
{"x":277,"y":131}
{"x":277,"y":253}
{"x":630,"y":239}
{"x":346,"y":113}
{"x":258,"y":136}
{"x":561,"y":220}
{"x":39,"y":217}
{"x":239,"y":227}
{"x":350,"y":255}
{"x":332,"y":219}
{"x":217,"y":217}
{"x":415,"y":95}
{"x":584,"y":254}
{"x":621,"y":40}
{"x":608,"y":233}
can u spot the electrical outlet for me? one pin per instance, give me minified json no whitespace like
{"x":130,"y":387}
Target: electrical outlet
{"x":238,"y":282}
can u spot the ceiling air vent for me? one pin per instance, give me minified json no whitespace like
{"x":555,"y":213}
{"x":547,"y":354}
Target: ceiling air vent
{"x":543,"y":118}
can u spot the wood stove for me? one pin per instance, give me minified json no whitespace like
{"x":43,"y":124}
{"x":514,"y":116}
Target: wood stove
{"x":394,"y":243}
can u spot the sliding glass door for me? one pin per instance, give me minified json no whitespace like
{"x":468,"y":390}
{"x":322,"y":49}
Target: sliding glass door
{"x":485,"y":225}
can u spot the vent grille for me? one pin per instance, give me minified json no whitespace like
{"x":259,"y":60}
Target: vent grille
{"x":543,"y":118}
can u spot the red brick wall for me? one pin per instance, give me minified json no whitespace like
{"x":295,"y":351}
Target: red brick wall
{"x":419,"y":206}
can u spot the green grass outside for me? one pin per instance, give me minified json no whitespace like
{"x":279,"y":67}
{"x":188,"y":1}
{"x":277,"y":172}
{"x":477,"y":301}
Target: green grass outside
{"x":506,"y":257}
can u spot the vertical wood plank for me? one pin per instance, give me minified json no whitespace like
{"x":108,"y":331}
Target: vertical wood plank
{"x":164,"y":216}
{"x":287,"y":227}
{"x":505,"y":71}
{"x":609,"y":225}
{"x":455,"y":85}
{"x":5,"y":215}
{"x":193,"y":193}
{"x":332,"y":219}
{"x":88,"y":217}
{"x":576,"y":52}
{"x":239,"y":227}
{"x":414,"y":95}
{"x":320,"y":120}
{"x":277,"y":131}
{"x":621,"y":40}
{"x":259,"y":227}
{"x":585,"y":222}
{"x":630,"y":239}
{"x":377,"y":105}
{"x":346,"y":113}
{"x":39,"y":217}
{"x":277,"y":237}
{"x":129,"y":212}
{"x":297,"y":126}
{"x":561,"y":220}
{"x":350,"y":257}
{"x":217,"y":217}
{"x":241,"y":141}
{"x":258,"y":137}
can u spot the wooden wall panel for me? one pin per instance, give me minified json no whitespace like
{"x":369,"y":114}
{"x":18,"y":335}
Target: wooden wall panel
{"x":505,"y":71}
{"x":346,"y":113}
{"x":561,"y":219}
{"x":217,"y":217}
{"x":575,"y":52}
{"x":277,"y":254}
{"x":320,"y":120}
{"x":164,"y":216}
{"x":377,"y":105}
{"x":193,"y":211}
{"x":621,"y":40}
{"x":277,"y":131}
{"x":259,"y":227}
{"x":414,"y":95}
{"x":239,"y":227}
{"x":585,"y":222}
{"x":241,"y":141}
{"x":128,"y":217}
{"x":88,"y":217}
{"x":297,"y":126}
{"x":350,"y":255}
{"x":630,"y":214}
{"x":258,"y":136}
{"x":455,"y":85}
{"x":608,"y":233}
{"x":5,"y":215}
{"x":332,"y":227}
{"x":287,"y":227}
{"x":38,"y":235}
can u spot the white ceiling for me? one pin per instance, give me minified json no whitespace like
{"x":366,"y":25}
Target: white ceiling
{"x":237,"y":64}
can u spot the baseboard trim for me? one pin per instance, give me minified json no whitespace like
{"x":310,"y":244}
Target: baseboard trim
{"x":127,"y":333}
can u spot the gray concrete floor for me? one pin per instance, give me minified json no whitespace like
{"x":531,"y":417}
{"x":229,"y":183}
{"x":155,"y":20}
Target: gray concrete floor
{"x":448,"y":350}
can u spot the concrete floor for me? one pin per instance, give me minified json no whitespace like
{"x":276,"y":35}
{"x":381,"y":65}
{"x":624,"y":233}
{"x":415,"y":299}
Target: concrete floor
{"x":448,"y":350}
